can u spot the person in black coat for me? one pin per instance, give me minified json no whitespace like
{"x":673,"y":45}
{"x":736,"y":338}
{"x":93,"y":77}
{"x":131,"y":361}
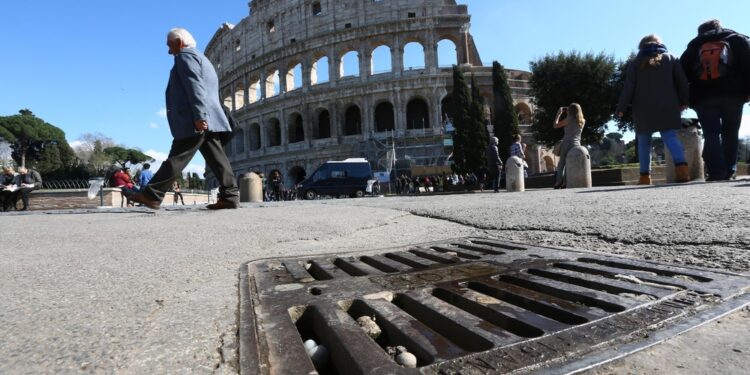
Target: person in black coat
{"x":494,"y":164}
{"x":717,"y":64}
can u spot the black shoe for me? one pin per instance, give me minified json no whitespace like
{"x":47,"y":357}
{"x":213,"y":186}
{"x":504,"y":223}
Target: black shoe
{"x":140,"y":198}
{"x":222,"y":204}
{"x":23,"y":209}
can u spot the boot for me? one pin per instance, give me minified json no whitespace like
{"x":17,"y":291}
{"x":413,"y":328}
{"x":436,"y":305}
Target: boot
{"x":645,"y":179}
{"x":681,"y":173}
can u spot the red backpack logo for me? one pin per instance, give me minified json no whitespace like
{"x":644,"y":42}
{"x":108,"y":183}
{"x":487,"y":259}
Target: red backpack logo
{"x":715,"y":59}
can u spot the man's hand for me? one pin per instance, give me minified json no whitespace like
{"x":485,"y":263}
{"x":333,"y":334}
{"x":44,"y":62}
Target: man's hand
{"x":201,"y":126}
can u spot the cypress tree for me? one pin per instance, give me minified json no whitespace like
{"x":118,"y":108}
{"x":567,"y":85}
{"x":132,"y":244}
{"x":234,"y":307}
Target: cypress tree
{"x":506,"y":118}
{"x":477,"y":132}
{"x":461,"y":120}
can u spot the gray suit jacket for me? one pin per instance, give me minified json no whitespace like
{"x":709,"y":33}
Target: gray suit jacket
{"x":193,"y":94}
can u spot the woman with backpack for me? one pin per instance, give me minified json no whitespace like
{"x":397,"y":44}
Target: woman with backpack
{"x":657,"y":89}
{"x":573,"y":124}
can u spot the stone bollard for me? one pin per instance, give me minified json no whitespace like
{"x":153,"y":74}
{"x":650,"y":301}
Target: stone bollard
{"x":514,"y":181}
{"x":251,"y":188}
{"x":691,"y":142}
{"x":578,"y":168}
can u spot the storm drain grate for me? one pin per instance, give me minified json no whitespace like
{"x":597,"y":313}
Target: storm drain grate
{"x":468,"y":306}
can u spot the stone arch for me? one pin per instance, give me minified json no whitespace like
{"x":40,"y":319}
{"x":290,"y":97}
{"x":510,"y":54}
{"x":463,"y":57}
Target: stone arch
{"x":274,"y":132}
{"x":524,"y":113}
{"x":296,"y":129}
{"x":349,"y":64}
{"x":414,"y":56}
{"x":255,"y":139}
{"x":273,"y":87}
{"x":254,"y":93}
{"x":381,"y":60}
{"x":319,"y":71}
{"x":322,"y":124}
{"x":352,"y":120}
{"x":385,"y":118}
{"x":239,"y":95}
{"x":447,"y":53}
{"x":238,"y":141}
{"x":297,"y":174}
{"x":293,"y":76}
{"x":417,"y":114}
{"x":446,"y":108}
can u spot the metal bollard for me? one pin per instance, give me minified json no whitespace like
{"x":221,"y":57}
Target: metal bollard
{"x":251,"y":188}
{"x":578,"y":168}
{"x":514,"y":181}
{"x":693,"y":146}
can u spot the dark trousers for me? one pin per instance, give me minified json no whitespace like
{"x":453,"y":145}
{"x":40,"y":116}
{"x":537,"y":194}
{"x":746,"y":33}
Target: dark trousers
{"x":181,"y":153}
{"x":23,"y":193}
{"x":720,"y":119}
{"x":7,"y":198}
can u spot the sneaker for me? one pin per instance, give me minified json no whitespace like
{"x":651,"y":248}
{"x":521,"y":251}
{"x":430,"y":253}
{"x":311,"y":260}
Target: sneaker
{"x":222,"y":204}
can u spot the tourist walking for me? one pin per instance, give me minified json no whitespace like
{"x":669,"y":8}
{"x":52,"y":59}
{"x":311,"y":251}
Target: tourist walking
{"x":573,"y":124}
{"x":657,"y":90}
{"x":494,"y":164}
{"x":197,"y":122}
{"x":177,"y":192}
{"x":717,"y":64}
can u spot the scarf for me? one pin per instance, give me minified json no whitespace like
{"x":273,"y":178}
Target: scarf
{"x":652,"y":49}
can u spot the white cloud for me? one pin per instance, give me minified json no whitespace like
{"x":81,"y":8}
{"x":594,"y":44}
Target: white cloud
{"x":162,"y":113}
{"x":153,"y":125}
{"x":75,"y":144}
{"x":159,"y":156}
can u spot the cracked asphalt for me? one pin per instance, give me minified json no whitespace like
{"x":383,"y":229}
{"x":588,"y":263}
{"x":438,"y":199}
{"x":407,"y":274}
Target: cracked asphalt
{"x":137,"y":291}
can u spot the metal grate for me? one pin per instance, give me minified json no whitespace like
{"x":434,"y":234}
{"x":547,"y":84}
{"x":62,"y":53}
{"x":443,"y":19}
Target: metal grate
{"x":469,"y":306}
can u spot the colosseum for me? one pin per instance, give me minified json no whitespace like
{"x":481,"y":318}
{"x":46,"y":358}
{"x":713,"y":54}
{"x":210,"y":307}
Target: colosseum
{"x":315,"y":80}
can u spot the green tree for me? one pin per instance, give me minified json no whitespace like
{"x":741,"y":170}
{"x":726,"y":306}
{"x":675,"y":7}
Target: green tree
{"x":506,"y":119}
{"x":477,"y":131}
{"x":123,"y":156}
{"x":33,"y":139}
{"x":614,"y":135}
{"x":558,"y":80}
{"x":461,"y":120}
{"x":98,"y":161}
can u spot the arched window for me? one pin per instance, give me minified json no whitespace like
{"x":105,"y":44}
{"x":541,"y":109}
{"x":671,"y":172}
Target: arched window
{"x":239,"y":96}
{"x":349,"y":66}
{"x":352,"y":121}
{"x":319,"y":71}
{"x":274,"y":133}
{"x":296,"y":129}
{"x":414,"y":56}
{"x":384,"y":117}
{"x":255,"y":139}
{"x":524,"y":113}
{"x":294,"y":78}
{"x":447,"y":53}
{"x":323,"y":130}
{"x":417,"y":114}
{"x":239,"y":141}
{"x":254,"y":91}
{"x":272,"y":84}
{"x":381,"y":60}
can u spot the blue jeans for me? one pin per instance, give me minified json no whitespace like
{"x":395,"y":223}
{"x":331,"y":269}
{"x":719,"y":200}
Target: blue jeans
{"x":564,"y":148}
{"x":720,"y":119}
{"x":670,"y":140}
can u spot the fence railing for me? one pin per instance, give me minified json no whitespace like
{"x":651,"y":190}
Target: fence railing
{"x":84,"y":184}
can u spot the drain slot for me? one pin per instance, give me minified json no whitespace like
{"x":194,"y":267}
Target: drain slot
{"x":548,"y":310}
{"x":309,"y":325}
{"x":507,"y":323}
{"x":589,"y":284}
{"x":611,"y":274}
{"x":317,"y":271}
{"x":467,"y":254}
{"x":454,"y":332}
{"x":497,"y":245}
{"x":658,"y":271}
{"x":391,"y":336}
{"x":482,"y":250}
{"x":381,"y":263}
{"x":564,"y":294}
{"x":407,"y":259}
{"x":349,"y":268}
{"x":434,"y":257}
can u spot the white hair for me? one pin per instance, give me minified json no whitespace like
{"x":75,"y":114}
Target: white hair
{"x":183,"y":35}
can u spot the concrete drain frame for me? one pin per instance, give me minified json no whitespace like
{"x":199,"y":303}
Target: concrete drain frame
{"x":470,"y":306}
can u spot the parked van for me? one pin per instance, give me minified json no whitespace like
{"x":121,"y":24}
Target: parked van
{"x":349,"y":177}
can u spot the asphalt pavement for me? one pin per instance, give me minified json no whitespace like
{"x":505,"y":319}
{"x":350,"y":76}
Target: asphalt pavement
{"x":139,"y":291}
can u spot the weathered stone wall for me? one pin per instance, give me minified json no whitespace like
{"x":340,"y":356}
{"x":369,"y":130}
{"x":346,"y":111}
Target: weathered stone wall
{"x":78,"y":199}
{"x":296,"y":129}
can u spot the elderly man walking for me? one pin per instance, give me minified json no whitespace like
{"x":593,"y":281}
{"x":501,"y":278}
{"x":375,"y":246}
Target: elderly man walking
{"x":197,"y":122}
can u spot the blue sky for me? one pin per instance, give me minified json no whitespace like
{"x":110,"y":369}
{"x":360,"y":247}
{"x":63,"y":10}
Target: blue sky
{"x":102,"y":66}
